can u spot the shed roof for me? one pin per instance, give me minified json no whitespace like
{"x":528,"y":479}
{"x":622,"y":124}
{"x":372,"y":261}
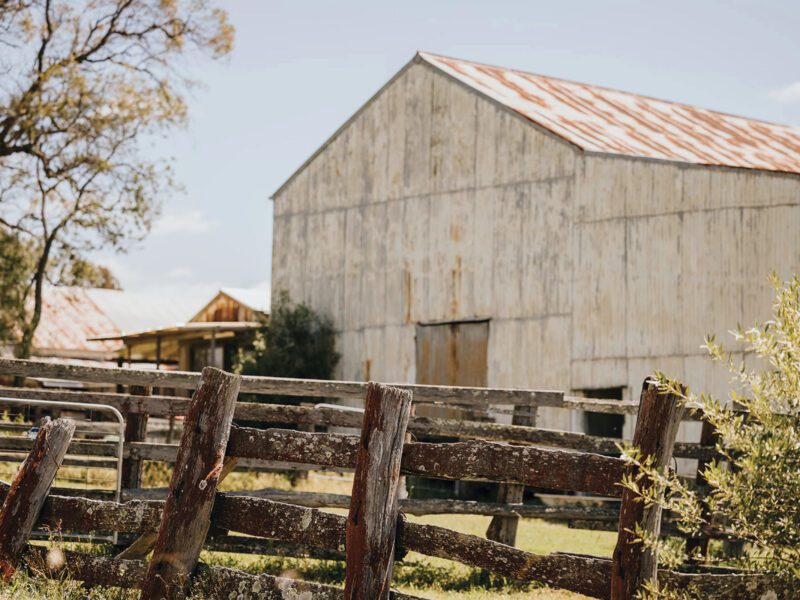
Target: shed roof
{"x":257,"y":299}
{"x":147,"y":309}
{"x":69,"y":318}
{"x":598,"y":119}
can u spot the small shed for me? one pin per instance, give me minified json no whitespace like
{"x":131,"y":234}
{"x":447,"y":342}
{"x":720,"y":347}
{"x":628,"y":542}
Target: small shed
{"x":209,"y":338}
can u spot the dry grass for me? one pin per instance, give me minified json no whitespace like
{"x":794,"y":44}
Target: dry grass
{"x":427,"y":577}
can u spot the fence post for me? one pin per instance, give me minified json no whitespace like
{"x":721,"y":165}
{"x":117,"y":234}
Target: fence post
{"x":504,"y":529}
{"x":698,"y":545}
{"x":374,"y":507}
{"x":187,"y":511}
{"x":656,"y":427}
{"x":29,"y":490}
{"x":135,"y":431}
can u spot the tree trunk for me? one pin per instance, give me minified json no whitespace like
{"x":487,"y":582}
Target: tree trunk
{"x":25,"y":346}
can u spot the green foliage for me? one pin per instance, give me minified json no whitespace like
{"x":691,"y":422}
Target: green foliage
{"x":755,"y":490}
{"x":294,"y":342}
{"x":77,"y":271}
{"x":16,"y":264}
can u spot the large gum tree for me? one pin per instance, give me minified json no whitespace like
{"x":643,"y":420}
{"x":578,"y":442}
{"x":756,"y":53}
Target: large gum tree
{"x":84,"y":86}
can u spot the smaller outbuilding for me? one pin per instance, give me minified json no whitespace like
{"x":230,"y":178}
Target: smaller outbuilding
{"x":211,"y":337}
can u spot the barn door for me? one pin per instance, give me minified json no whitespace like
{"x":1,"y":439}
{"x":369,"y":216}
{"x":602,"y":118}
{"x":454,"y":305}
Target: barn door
{"x":453,"y":353}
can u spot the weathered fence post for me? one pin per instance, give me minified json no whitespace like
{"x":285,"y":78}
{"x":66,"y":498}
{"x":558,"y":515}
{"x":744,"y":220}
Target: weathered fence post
{"x":372,"y":521}
{"x":141,"y":546}
{"x":660,"y":415}
{"x":697,"y":546}
{"x":29,"y":490}
{"x":198,"y":466}
{"x":504,"y":529}
{"x":135,"y":431}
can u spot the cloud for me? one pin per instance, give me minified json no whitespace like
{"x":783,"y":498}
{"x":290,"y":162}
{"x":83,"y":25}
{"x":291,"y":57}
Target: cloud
{"x":179,"y":273}
{"x":191,"y":222}
{"x":789,"y":94}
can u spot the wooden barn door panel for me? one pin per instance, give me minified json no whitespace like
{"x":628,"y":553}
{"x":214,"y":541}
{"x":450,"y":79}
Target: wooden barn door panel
{"x":452,"y":354}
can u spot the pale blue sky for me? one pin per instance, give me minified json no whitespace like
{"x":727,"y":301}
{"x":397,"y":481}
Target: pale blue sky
{"x":299,"y":69}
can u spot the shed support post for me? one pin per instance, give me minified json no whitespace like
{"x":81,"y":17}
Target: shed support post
{"x":198,"y":467}
{"x":374,"y":507}
{"x":504,"y":529}
{"x":633,"y":565}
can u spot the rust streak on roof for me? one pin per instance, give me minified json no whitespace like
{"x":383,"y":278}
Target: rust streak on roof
{"x":598,"y":119}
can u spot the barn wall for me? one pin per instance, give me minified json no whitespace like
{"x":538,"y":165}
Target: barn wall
{"x":666,"y":254}
{"x":434,"y":204}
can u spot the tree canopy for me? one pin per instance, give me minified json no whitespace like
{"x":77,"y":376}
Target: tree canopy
{"x":295,"y":341}
{"x":86,"y":84}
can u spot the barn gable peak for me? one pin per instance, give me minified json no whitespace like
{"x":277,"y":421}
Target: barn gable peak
{"x":605,"y":121}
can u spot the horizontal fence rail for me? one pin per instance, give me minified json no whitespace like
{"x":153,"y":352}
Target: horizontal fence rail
{"x":325,"y":531}
{"x":310,"y":388}
{"x":292,"y":523}
{"x":96,"y":454}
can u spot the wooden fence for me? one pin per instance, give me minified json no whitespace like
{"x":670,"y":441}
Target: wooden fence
{"x":375,"y":530}
{"x":139,"y":404}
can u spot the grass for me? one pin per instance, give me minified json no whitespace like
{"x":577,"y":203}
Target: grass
{"x":428,"y":577}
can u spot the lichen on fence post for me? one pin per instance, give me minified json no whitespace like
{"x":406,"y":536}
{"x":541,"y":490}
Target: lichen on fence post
{"x":374,"y":505}
{"x":633,"y":565}
{"x":198,"y":468}
{"x":24,"y":501}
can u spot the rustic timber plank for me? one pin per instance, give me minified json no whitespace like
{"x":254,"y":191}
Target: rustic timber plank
{"x":697,"y":546}
{"x":504,"y":529}
{"x":529,"y":465}
{"x":656,"y":427}
{"x":135,"y":431}
{"x":29,"y":490}
{"x":106,"y":571}
{"x":243,"y":544}
{"x":372,"y":520}
{"x":211,"y":582}
{"x":166,"y":406}
{"x":312,"y":388}
{"x":187,"y":511}
{"x":168,"y":452}
{"x":142,"y":545}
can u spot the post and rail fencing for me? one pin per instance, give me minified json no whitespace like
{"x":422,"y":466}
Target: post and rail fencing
{"x":368,"y":536}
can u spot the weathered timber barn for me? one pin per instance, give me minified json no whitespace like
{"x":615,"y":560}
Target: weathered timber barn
{"x":483,"y":226}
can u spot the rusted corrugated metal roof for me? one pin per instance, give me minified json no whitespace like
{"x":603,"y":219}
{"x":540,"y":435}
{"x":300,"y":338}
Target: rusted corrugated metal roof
{"x":73,"y":318}
{"x":69,"y":319}
{"x":598,"y":119}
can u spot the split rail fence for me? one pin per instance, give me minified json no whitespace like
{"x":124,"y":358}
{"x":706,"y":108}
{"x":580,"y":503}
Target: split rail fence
{"x":194,"y":513}
{"x":139,"y":404}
